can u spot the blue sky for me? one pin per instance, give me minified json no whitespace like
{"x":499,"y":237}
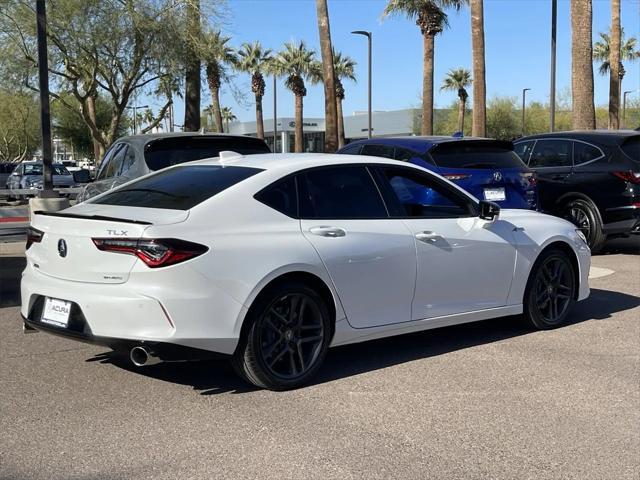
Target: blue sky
{"x":517,"y":42}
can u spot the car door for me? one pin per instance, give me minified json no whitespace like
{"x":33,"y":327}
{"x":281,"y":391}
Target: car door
{"x":464,"y":263}
{"x":552,"y":160}
{"x":369,"y":257}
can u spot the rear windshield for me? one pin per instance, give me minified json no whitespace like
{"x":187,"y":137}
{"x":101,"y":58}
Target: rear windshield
{"x":36,"y":169}
{"x":178,"y":188}
{"x":463,"y":155}
{"x":172,"y":151}
{"x":631,"y":148}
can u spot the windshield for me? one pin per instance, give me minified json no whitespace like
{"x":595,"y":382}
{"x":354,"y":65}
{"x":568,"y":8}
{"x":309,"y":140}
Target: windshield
{"x":173,"y":151}
{"x":36,"y":169}
{"x":178,"y":188}
{"x":479,"y":155}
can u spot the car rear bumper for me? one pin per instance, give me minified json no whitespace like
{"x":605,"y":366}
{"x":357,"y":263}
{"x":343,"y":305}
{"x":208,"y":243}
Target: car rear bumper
{"x":185,"y":312}
{"x":622,"y":220}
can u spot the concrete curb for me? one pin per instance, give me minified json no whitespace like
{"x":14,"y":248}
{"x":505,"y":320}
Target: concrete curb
{"x":12,"y":249}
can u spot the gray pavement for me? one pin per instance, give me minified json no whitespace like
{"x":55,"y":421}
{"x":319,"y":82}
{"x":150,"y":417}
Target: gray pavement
{"x":488,"y":400}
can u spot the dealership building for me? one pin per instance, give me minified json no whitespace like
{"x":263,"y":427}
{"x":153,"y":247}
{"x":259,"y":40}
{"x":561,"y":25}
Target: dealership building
{"x":384,"y":124}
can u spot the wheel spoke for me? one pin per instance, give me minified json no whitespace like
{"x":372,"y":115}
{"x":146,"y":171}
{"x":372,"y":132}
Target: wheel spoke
{"x":301,"y":308}
{"x":300,"y":356}
{"x":270,"y":324}
{"x":292,"y":362}
{"x":311,"y":339}
{"x":279,"y":315}
{"x":278,"y":357}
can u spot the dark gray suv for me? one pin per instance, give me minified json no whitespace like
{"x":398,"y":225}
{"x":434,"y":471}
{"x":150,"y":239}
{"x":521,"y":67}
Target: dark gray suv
{"x":135,"y":156}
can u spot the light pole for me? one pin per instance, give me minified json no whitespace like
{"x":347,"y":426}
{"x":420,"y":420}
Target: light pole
{"x":624,"y":107}
{"x":524,"y":96}
{"x":552,"y":94}
{"x":275,"y":115}
{"x":368,"y":35}
{"x":135,"y":115}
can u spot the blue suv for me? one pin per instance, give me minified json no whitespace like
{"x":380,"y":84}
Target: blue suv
{"x":488,"y":169}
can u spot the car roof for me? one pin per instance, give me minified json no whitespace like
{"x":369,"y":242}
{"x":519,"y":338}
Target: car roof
{"x":420,"y":143}
{"x":606,"y":137}
{"x":142,"y":140}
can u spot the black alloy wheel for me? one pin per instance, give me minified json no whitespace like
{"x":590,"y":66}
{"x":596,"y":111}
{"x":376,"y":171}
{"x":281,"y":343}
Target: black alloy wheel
{"x":584,"y":215}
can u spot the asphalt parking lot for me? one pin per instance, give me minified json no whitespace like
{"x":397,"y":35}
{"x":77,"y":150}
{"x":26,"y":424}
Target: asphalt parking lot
{"x":486,"y":400}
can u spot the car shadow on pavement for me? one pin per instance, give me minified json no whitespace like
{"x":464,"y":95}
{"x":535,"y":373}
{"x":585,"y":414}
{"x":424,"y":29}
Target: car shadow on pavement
{"x":624,"y":246}
{"x":217,"y":376}
{"x":10,"y":268}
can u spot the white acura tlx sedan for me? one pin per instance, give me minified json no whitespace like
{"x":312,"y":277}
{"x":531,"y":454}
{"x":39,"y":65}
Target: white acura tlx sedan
{"x":272,"y":259}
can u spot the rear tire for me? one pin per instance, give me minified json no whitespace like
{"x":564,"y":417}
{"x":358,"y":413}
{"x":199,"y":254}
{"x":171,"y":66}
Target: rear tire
{"x":584,"y":215}
{"x":550,"y":291}
{"x":288,"y":335}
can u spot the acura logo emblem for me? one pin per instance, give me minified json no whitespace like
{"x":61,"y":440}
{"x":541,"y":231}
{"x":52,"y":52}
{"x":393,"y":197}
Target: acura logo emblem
{"x":62,"y":248}
{"x":497,"y":176}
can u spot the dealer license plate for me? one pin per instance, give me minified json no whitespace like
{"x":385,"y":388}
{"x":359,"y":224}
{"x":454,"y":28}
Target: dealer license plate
{"x":494,"y":194}
{"x":56,"y":312}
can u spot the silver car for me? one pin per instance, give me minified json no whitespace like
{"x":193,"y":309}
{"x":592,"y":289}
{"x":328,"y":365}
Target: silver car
{"x":134,"y":156}
{"x":28,"y":175}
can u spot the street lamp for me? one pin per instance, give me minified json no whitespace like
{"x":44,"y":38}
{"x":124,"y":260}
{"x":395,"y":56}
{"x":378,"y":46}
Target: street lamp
{"x":368,"y":35}
{"x":275,"y":114}
{"x":524,"y":96}
{"x":624,"y":107}
{"x":135,"y":114}
{"x":552,"y":94}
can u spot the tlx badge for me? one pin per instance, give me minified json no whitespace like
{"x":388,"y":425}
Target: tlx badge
{"x":117,"y":233}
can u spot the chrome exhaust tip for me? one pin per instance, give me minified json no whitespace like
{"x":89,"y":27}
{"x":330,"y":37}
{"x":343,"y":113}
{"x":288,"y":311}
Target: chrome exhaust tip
{"x":141,"y":356}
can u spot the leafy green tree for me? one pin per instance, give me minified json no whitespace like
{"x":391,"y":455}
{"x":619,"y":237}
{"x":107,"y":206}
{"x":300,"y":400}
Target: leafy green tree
{"x":502,"y":118}
{"x":19,"y":126}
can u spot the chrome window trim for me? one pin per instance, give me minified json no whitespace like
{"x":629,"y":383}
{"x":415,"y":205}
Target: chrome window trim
{"x":602,"y":155}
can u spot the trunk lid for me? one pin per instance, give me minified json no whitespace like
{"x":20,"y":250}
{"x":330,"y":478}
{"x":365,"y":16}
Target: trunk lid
{"x":67,"y":251}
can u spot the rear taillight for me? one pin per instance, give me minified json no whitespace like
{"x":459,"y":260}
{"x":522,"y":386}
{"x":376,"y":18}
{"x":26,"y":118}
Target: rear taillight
{"x":628,"y":176}
{"x":33,"y":236}
{"x":530,"y":177}
{"x":455,"y":176}
{"x":155,"y":253}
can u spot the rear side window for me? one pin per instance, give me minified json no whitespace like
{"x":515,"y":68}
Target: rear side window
{"x":377,"y":150}
{"x":351,"y":150}
{"x":281,"y":196}
{"x":173,"y":151}
{"x":468,"y":154}
{"x":583,"y":152}
{"x":340,"y":193}
{"x":178,"y":188}
{"x":631,"y":148}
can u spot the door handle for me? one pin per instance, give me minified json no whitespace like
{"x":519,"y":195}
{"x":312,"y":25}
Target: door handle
{"x":559,"y":177}
{"x":428,"y":237}
{"x":326,"y":231}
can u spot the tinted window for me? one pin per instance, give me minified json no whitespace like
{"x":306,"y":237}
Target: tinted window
{"x":129,"y":160}
{"x":523,"y":150}
{"x":281,"y":196}
{"x":631,"y":148}
{"x":172,"y":151}
{"x":377,"y":150}
{"x":36,"y":169}
{"x":105,"y":161}
{"x":551,"y":153}
{"x":583,"y":152}
{"x":404,"y":154}
{"x":351,"y":150}
{"x":340,"y":192}
{"x":469,"y":154}
{"x":115,"y":164}
{"x":179,"y":188}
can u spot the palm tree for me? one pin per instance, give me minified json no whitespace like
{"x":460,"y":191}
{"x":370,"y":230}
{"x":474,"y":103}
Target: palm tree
{"x":344,"y":68}
{"x":458,"y":80}
{"x":430,"y":17}
{"x":217,"y":55}
{"x":227,"y":116}
{"x":614,"y":67}
{"x":254,"y":59}
{"x":192,"y":69}
{"x":329,"y":78}
{"x":583,"y":110}
{"x":479,"y":123}
{"x":297,"y":63}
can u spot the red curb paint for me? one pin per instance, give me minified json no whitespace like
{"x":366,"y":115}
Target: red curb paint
{"x":13,"y":219}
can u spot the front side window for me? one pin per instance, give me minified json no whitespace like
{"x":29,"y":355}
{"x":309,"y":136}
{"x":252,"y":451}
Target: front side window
{"x":373,"y":150}
{"x":179,"y":188}
{"x":417,"y":195}
{"x":551,"y":153}
{"x":583,"y":152}
{"x":339,"y":193}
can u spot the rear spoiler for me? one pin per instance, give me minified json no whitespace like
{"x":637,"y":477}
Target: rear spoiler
{"x":91,"y":217}
{"x":473,"y":143}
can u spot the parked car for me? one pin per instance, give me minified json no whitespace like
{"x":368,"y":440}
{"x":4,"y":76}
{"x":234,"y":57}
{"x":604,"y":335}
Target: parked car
{"x":272,"y":259}
{"x":134,"y":156}
{"x":488,"y":169}
{"x":71,"y":165}
{"x":5,"y":170}
{"x":28,"y":175}
{"x":591,"y":178}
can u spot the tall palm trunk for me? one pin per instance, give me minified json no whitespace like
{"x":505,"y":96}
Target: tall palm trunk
{"x":461,"y":108}
{"x":341,"y":139}
{"x":328,"y":74}
{"x":299,"y":143}
{"x":427,"y":83}
{"x":614,"y":66}
{"x":213,"y":79}
{"x":259,"y":119}
{"x":583,"y":115}
{"x":192,"y":73}
{"x":479,"y":124}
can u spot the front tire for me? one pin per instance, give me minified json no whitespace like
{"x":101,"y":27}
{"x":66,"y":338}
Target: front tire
{"x":584,"y":215}
{"x":287,"y":340}
{"x":550,"y":291}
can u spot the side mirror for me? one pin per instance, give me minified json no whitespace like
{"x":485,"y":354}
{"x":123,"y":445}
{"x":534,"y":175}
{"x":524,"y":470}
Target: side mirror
{"x":15,"y":173}
{"x":82,"y":176}
{"x":489,"y":210}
